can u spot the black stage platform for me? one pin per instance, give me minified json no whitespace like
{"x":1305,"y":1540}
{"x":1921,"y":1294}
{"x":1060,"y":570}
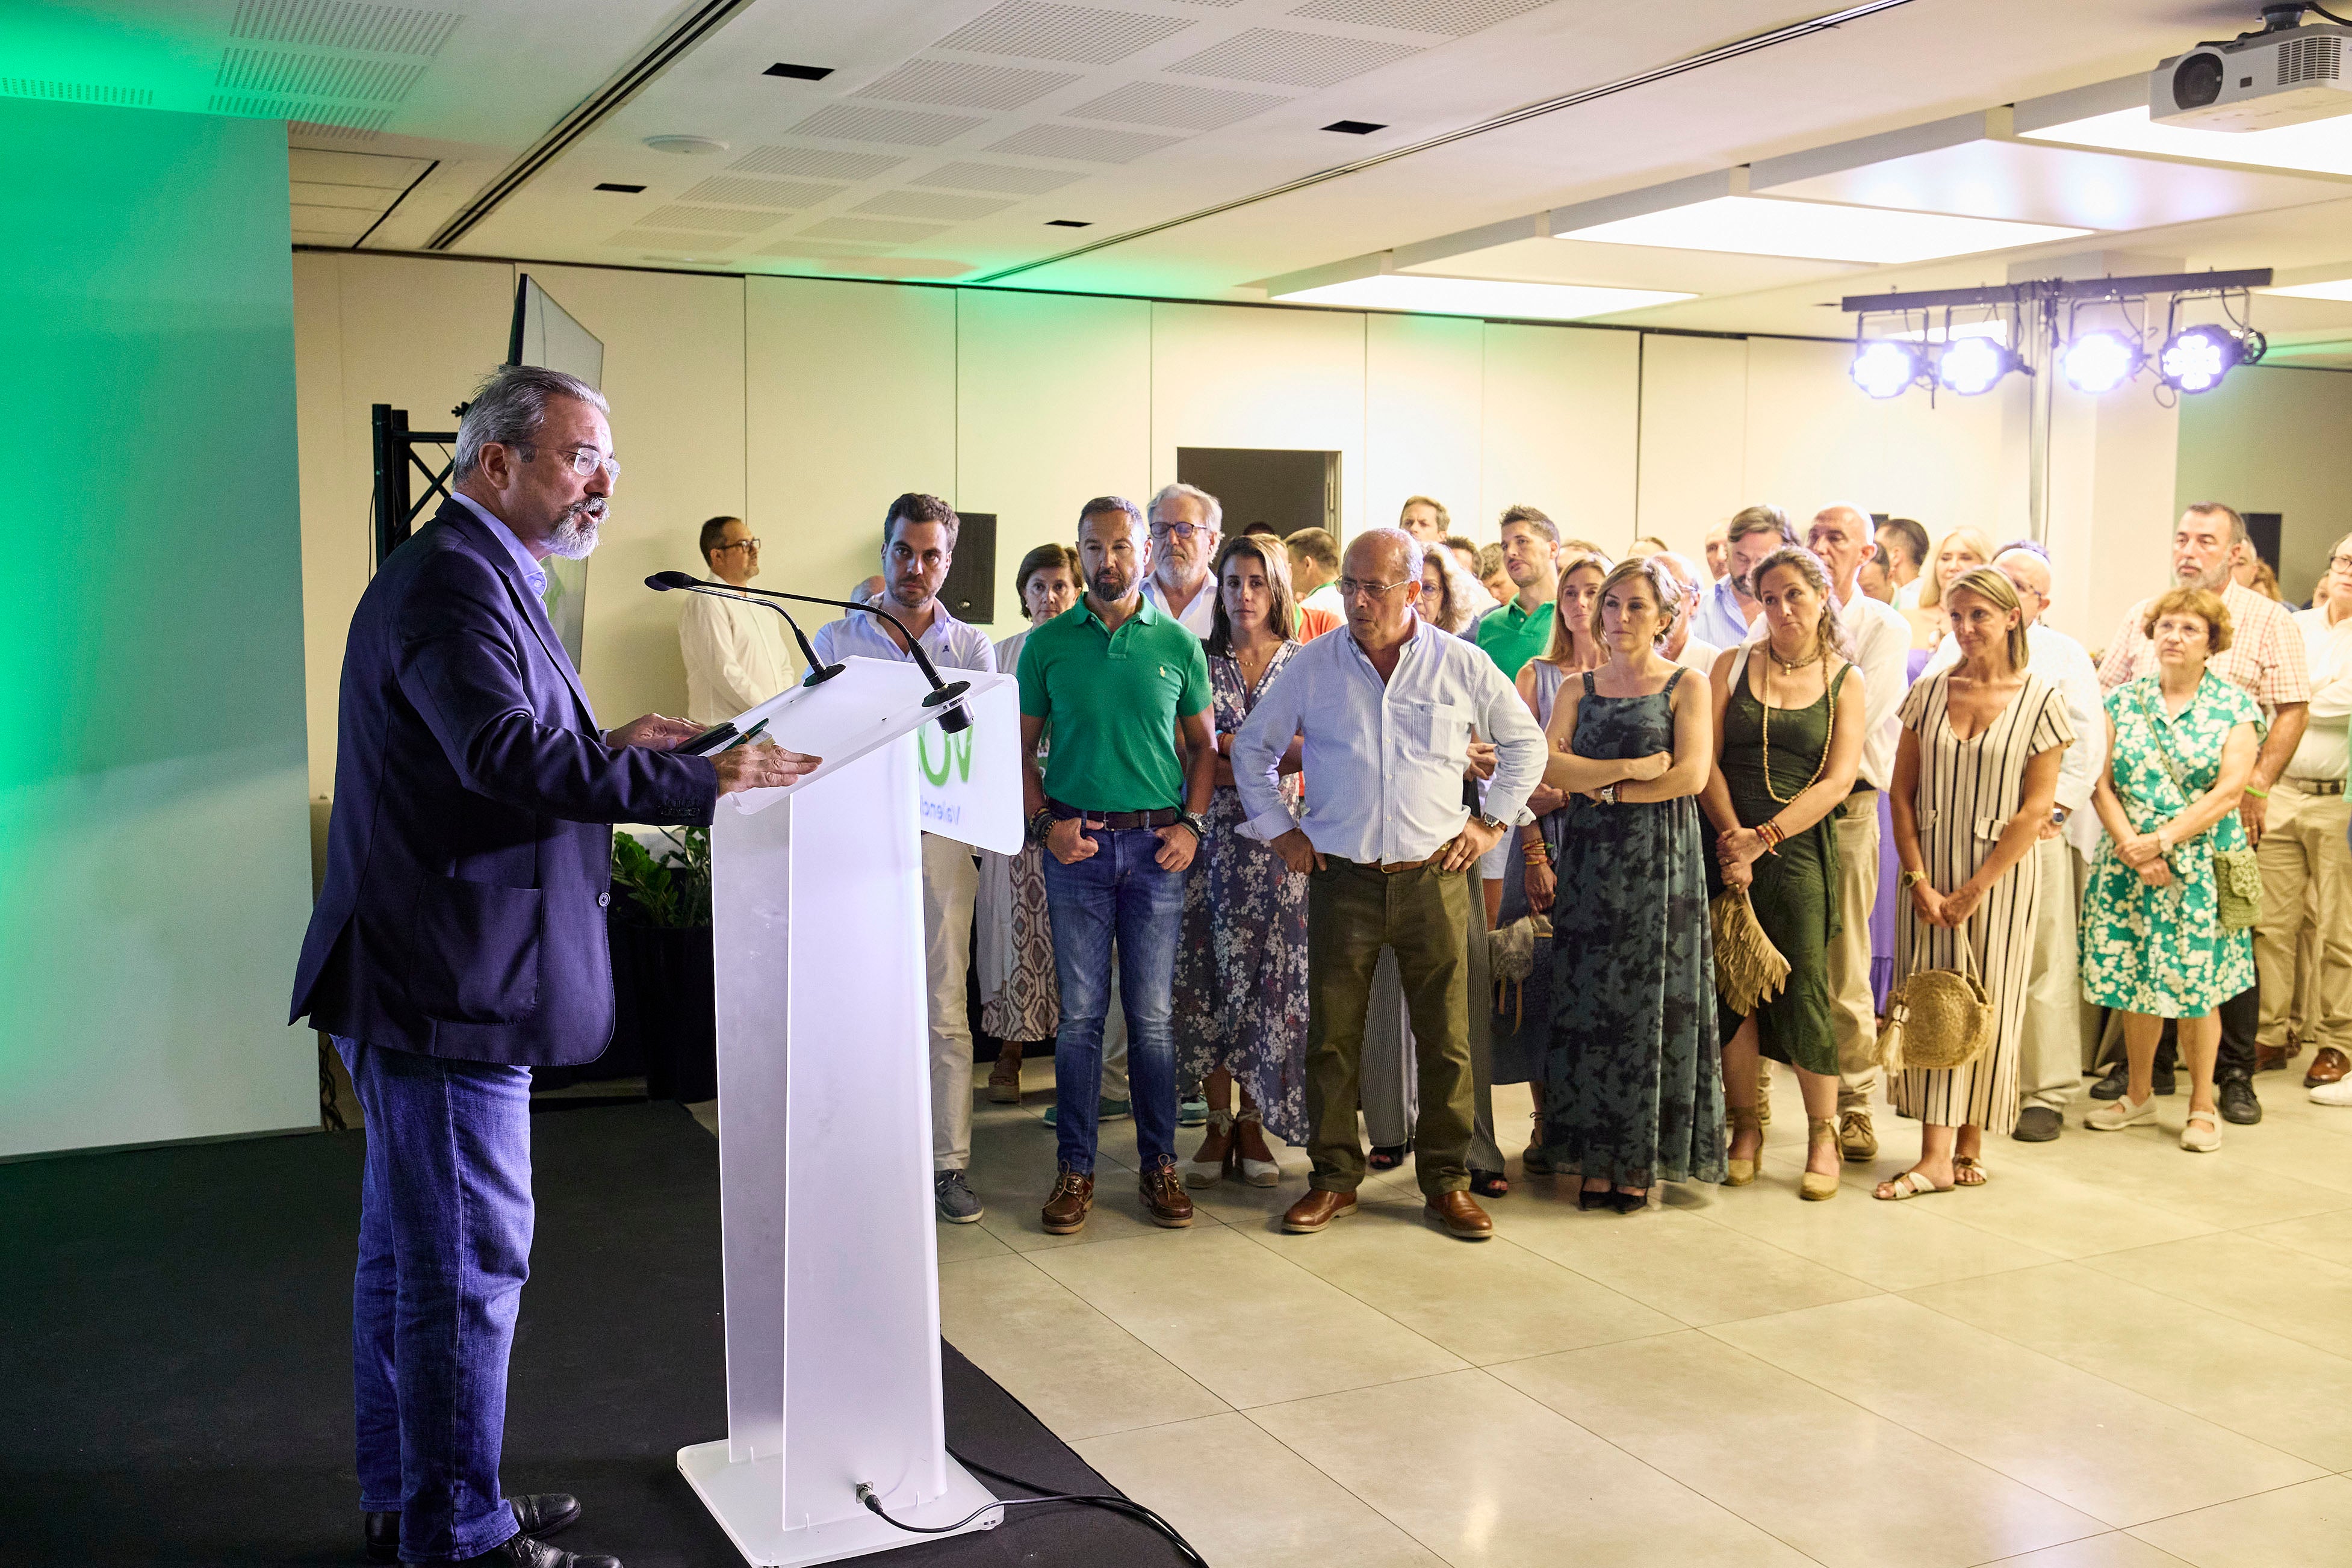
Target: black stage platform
{"x":176,"y":1371}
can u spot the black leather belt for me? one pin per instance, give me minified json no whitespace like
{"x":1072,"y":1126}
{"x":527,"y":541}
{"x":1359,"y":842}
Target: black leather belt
{"x":1165,"y":817}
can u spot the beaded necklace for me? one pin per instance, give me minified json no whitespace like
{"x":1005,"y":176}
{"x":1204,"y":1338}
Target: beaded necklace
{"x":1829,"y":689}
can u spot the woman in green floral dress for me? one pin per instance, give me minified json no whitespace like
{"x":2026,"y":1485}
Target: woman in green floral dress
{"x":2180,"y":746}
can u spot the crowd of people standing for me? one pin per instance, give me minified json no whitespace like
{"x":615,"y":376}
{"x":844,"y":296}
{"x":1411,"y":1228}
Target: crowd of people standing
{"x":1328,"y":841}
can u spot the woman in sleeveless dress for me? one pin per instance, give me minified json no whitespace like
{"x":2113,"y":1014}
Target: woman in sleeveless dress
{"x":1789,"y":732}
{"x":1974,"y":781}
{"x":1633,"y":1086}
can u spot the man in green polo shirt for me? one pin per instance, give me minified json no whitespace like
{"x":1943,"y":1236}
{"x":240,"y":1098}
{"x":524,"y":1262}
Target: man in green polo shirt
{"x":1121,"y":682}
{"x":1515,"y":632}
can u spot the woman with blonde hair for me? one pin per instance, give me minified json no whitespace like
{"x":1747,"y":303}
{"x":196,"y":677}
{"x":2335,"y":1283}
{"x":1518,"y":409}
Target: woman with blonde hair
{"x":2181,"y":748}
{"x":1789,"y":725}
{"x":1975,"y":777}
{"x":1962,"y":550}
{"x":1451,"y":599}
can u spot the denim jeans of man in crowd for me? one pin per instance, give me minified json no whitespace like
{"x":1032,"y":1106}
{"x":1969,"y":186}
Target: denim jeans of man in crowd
{"x":1120,"y":892}
{"x":445,"y":1246}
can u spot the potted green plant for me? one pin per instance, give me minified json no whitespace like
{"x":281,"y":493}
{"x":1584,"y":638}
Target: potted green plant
{"x":659,"y":929}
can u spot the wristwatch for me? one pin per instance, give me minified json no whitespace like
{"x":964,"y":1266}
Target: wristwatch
{"x":1041,"y":824}
{"x":1497,"y":823}
{"x":1200,"y":829}
{"x":1608,"y":794}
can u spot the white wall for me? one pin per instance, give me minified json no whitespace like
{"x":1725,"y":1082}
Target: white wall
{"x":805,"y":404}
{"x":2271,"y":439}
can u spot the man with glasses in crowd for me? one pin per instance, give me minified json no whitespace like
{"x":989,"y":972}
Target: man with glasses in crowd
{"x":919,"y":540}
{"x":1388,"y":712}
{"x":1186,"y":527}
{"x":735,"y":656}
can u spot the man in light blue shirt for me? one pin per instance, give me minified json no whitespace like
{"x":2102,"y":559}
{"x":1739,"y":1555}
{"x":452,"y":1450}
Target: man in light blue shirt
{"x":1730,"y":610}
{"x":1386,"y":712}
{"x":918,"y":538}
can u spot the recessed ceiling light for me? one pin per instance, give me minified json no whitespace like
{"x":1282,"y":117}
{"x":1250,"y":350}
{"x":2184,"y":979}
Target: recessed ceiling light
{"x":686,"y":146}
{"x":2318,"y":146}
{"x":624,"y":190}
{"x":1069,"y":222}
{"x":1354,"y":127}
{"x":1819,"y":231}
{"x":1480,"y":297}
{"x":798,"y":73}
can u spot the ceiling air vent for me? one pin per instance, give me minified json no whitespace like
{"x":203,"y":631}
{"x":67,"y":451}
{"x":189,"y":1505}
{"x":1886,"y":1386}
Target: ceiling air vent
{"x":1292,"y":60}
{"x":930,"y":205}
{"x":343,"y":120}
{"x":798,"y":73}
{"x":785,"y":195}
{"x":336,"y":24}
{"x":1354,"y":127}
{"x":317,"y":76}
{"x":78,"y":92}
{"x":1032,"y":30}
{"x":717,"y":220}
{"x":1456,"y":18}
{"x":623,"y":190}
{"x":1163,"y":103}
{"x":815,"y":162}
{"x":952,"y":84}
{"x":856,"y":122}
{"x":1081,"y":143}
{"x":997,"y":177}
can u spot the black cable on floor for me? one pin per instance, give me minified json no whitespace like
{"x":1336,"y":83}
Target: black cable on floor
{"x":1128,"y":1507}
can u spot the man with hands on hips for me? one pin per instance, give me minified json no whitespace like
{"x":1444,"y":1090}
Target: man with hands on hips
{"x":460,"y":941}
{"x":1388,"y":712}
{"x":1121,"y":682}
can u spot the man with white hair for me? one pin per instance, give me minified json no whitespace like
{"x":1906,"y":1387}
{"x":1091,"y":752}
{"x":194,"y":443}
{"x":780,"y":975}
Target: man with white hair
{"x":1386,"y":712}
{"x":1690,"y":651}
{"x":2050,"y":1058}
{"x":1186,"y":525}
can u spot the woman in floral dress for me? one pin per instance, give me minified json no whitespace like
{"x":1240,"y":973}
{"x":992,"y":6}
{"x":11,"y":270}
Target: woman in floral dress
{"x":1240,"y":1012}
{"x":2180,"y":747}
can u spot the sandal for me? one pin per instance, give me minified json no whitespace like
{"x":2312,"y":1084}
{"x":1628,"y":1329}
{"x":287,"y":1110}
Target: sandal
{"x":1536,"y":1159}
{"x":1489,"y":1183}
{"x":1814,"y":1187}
{"x":1004,"y":1078}
{"x":1909,"y":1185}
{"x":1257,"y":1172}
{"x":1213,"y":1162}
{"x":1969,"y":1171}
{"x":1625,"y":1202}
{"x":1387,"y":1156}
{"x":1743,"y":1119}
{"x":1594,"y":1196}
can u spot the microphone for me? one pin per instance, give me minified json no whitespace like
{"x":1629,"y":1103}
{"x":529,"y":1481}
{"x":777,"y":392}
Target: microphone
{"x":819,"y":672}
{"x":945,"y":695}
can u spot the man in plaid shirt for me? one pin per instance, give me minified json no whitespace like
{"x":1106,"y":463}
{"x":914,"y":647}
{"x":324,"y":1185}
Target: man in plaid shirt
{"x":2266,"y":659}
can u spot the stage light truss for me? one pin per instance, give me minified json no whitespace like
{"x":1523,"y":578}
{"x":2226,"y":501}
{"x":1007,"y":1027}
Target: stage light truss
{"x":2098,"y":332}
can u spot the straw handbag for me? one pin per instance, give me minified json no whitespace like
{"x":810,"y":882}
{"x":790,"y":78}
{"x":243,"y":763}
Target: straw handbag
{"x":1936,"y":1018}
{"x":1748,"y":970}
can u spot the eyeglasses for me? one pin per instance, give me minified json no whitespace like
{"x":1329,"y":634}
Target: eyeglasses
{"x":584,"y":460}
{"x":1181,"y":532}
{"x":2339,"y":563}
{"x":1349,"y":588}
{"x":739,"y":544}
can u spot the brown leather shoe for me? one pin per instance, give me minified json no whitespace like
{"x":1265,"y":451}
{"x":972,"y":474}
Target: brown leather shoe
{"x":1318,"y":1210}
{"x":1461,"y":1216}
{"x":1065,"y":1209}
{"x":1164,"y":1198}
{"x":2328,"y":1066}
{"x":2270,"y":1058}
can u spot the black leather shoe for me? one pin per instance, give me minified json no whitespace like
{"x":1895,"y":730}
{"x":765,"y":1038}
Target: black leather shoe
{"x":2113,"y":1085}
{"x":2037,"y":1125}
{"x":2237,"y":1101}
{"x":528,"y":1551}
{"x":539,"y":1514}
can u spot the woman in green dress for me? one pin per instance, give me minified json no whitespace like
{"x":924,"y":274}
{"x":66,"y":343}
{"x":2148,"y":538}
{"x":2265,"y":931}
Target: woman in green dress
{"x":2180,"y":747}
{"x":1787,"y":738}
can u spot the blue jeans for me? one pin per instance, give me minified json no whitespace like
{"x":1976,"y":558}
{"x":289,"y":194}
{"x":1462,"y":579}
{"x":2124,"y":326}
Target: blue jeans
{"x":445,"y":1246}
{"x":1119,"y":893}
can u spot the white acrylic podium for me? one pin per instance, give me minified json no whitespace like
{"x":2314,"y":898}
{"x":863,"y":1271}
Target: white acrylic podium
{"x":825,"y":1124}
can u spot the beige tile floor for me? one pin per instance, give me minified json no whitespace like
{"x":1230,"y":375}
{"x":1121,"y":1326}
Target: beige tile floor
{"x":2114,"y":1355}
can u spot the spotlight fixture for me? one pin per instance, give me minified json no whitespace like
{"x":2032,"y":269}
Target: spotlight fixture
{"x":1886,"y":368}
{"x":2100,"y":361}
{"x":2195,"y":359}
{"x":1969,"y":365}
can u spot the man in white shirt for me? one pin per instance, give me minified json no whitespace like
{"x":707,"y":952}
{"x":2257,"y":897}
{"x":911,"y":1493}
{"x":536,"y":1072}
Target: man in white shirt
{"x":1313,"y":567}
{"x":1186,"y":526}
{"x":2302,"y":854}
{"x":1690,"y":651}
{"x":1840,"y":536}
{"x":1727,"y":612}
{"x":918,"y":540}
{"x":735,"y":650}
{"x":2050,"y":1054}
{"x":1387,"y":713}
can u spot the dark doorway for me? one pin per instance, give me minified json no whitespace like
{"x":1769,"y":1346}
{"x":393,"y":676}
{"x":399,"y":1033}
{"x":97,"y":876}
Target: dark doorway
{"x":1283,"y":488}
{"x":970,"y":590}
{"x":2263,"y":529}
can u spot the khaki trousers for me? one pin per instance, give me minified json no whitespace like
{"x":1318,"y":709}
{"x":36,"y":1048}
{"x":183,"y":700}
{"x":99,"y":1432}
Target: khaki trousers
{"x":950,"y":880}
{"x":2050,"y":1048}
{"x":2304,"y":853}
{"x":1353,"y":912}
{"x":1854,"y":1012}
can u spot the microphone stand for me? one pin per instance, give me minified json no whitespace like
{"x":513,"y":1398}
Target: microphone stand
{"x":819,"y":672}
{"x":944,"y":696}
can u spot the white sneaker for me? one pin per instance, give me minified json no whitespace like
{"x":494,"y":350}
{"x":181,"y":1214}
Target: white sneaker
{"x":2115,"y":1116}
{"x":2202,"y":1135}
{"x":2336,"y":1093}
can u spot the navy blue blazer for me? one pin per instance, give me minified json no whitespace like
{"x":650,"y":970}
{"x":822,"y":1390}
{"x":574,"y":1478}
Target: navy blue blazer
{"x":468,"y":858}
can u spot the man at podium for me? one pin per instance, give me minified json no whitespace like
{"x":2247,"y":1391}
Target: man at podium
{"x":460,"y":941}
